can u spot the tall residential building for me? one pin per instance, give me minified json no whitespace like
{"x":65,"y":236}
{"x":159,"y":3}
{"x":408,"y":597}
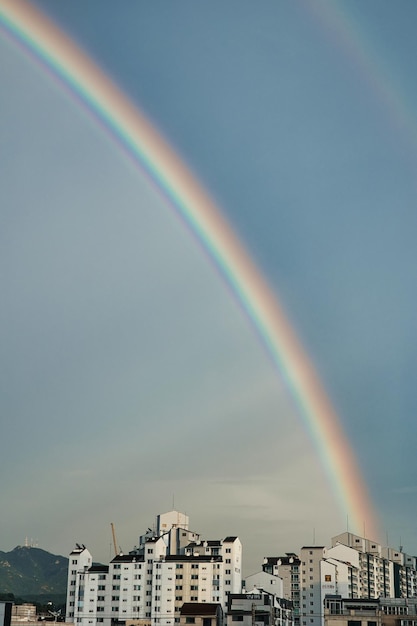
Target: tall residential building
{"x":170,"y":566}
{"x":287,"y":567}
{"x":353,"y":568}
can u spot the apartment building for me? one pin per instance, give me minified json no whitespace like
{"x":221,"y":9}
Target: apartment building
{"x":382,"y":571}
{"x":353,"y":568}
{"x":170,"y":566}
{"x":287,"y":567}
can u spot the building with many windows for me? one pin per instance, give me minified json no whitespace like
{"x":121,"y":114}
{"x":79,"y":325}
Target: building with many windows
{"x":352,"y":568}
{"x":259,"y":608}
{"x":287,"y":567}
{"x":170,"y":566}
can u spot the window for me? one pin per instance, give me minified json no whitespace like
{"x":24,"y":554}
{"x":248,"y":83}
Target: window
{"x":116,"y":566}
{"x":190,"y":620}
{"x":115,"y":587}
{"x":194,"y":566}
{"x":137,"y":576}
{"x":101,"y":587}
{"x":178,"y":598}
{"x":116,"y":576}
{"x":194,"y":576}
{"x":228,"y":560}
{"x":178,"y":587}
{"x":136,"y":587}
{"x":237,"y":618}
{"x":228,"y":550}
{"x":194,"y":587}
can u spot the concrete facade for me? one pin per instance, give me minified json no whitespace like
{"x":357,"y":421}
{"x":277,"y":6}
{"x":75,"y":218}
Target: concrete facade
{"x":170,"y":566}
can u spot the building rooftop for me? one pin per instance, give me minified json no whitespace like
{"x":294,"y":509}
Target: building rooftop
{"x":202,"y":558}
{"x":128,"y":558}
{"x":200,"y":608}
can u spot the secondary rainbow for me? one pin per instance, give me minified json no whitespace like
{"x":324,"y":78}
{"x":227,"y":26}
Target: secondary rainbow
{"x":129,"y":126}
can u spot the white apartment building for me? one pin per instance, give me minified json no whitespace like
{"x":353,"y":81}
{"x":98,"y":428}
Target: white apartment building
{"x":383,"y":572}
{"x":265,"y":582}
{"x":170,"y":566}
{"x":353,"y":568}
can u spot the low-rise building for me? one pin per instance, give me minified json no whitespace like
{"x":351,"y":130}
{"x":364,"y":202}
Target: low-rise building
{"x":201,"y":614}
{"x":259,"y":608}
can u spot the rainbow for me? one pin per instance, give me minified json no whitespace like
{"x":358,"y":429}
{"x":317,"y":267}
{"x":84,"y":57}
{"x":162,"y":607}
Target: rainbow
{"x":128,"y":125}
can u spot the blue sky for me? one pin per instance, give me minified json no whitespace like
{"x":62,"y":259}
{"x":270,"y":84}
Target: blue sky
{"x":126,"y":360}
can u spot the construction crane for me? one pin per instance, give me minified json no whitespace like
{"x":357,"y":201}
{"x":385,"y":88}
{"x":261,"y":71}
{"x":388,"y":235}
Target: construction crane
{"x":113,"y":532}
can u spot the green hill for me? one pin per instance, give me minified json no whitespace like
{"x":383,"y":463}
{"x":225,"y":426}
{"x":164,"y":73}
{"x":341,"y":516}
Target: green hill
{"x":32,"y":573}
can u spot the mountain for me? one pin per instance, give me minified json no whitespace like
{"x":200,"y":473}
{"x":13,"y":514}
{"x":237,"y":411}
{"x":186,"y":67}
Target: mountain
{"x":31,"y":573}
